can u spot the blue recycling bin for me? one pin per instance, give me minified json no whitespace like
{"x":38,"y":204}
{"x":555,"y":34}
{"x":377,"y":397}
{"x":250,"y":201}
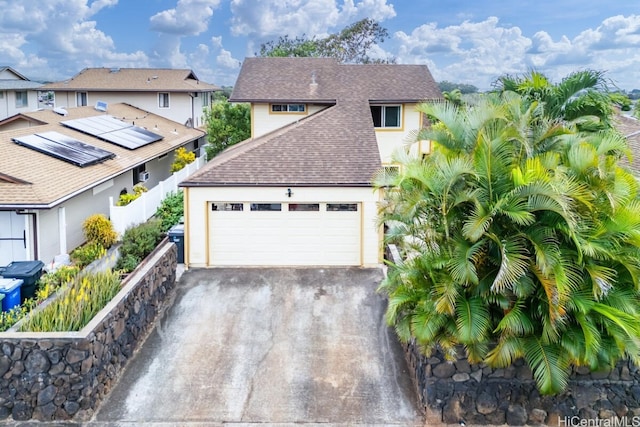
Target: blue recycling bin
{"x":10,"y":290}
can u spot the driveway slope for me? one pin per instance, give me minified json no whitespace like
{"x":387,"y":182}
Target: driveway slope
{"x":277,"y":346}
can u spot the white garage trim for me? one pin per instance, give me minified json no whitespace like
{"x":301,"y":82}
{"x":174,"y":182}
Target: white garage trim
{"x":284,"y":233}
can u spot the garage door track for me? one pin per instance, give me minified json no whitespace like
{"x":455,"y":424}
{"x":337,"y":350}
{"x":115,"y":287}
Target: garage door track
{"x":278,"y":346}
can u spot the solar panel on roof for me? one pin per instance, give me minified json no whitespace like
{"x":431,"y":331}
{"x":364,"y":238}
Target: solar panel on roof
{"x":64,"y":148}
{"x":114,"y":131}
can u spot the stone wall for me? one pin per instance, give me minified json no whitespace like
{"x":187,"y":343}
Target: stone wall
{"x":59,"y":376}
{"x":459,"y":392}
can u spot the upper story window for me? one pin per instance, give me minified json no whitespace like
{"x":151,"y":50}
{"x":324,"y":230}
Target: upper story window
{"x":81,"y":99}
{"x":205,"y":99}
{"x":163,"y":100}
{"x":21,"y":99}
{"x":288,"y":108}
{"x":386,"y":116}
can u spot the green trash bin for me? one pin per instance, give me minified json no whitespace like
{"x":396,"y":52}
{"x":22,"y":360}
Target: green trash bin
{"x":176,"y":235}
{"x":27,"y":271}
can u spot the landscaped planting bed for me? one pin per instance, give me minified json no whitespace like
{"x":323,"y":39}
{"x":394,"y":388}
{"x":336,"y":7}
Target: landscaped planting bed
{"x":59,"y":375}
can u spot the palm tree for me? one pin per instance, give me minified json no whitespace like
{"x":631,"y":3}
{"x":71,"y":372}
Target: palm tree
{"x":520,"y":239}
{"x":581,"y":98}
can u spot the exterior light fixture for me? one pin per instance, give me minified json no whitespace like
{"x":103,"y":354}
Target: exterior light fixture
{"x":289,"y":192}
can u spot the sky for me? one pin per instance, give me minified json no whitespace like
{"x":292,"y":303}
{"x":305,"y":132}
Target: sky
{"x":461,"y":41}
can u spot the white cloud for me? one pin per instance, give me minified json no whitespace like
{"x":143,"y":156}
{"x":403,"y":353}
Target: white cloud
{"x":479,"y":52}
{"x":190,"y":17}
{"x":58,"y":39}
{"x":263,"y":20}
{"x":472,"y":52}
{"x":224,"y":59}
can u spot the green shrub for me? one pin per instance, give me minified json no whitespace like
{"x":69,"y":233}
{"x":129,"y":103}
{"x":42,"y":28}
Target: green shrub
{"x":183,"y":158}
{"x":137,"y":243}
{"x":98,"y":228}
{"x":77,"y":304}
{"x":171,"y":210}
{"x":127,"y":198}
{"x":86,"y":254}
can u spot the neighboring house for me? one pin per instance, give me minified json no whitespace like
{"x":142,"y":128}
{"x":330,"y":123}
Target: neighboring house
{"x":299,"y":192}
{"x":176,"y":94}
{"x":53,"y":176}
{"x":17,"y":93}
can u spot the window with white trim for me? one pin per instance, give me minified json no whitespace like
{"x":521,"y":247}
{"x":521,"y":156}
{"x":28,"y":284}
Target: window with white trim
{"x":81,"y":99}
{"x":386,"y":116}
{"x":288,"y":108}
{"x":22,"y":100}
{"x":163,"y":99}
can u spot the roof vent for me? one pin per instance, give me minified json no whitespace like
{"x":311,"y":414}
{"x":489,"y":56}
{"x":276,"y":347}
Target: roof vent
{"x":61,"y":111}
{"x":114,"y":70}
{"x":313,"y":87}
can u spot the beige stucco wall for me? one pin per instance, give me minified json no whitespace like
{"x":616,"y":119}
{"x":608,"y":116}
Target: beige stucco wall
{"x":264,"y":121}
{"x":197,"y":212}
{"x":390,"y":139}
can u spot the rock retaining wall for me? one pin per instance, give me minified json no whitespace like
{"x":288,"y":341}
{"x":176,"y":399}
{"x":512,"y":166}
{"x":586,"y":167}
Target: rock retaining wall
{"x":459,"y":392}
{"x":59,"y":376}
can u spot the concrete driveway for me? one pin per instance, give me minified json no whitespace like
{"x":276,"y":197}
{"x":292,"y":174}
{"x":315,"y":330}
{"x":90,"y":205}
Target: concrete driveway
{"x":272,"y":347}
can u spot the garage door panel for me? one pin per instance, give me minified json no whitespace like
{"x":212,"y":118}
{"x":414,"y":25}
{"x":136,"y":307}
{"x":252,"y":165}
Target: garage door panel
{"x":285,"y":237}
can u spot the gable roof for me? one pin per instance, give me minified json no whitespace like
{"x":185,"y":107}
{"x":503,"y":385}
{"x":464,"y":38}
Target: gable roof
{"x":133,"y":80}
{"x":325,"y":80}
{"x":334,"y":147}
{"x":36,"y":180}
{"x":19,"y":82}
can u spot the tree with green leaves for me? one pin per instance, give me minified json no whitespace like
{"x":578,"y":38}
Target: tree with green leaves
{"x":581,"y":98}
{"x":520,"y":238}
{"x":447,"y":86}
{"x":351,"y":45}
{"x":227,"y":124}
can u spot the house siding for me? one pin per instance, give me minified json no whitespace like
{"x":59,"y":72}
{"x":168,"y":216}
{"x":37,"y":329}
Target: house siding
{"x":179,"y":103}
{"x":389,"y":140}
{"x":263,"y":121}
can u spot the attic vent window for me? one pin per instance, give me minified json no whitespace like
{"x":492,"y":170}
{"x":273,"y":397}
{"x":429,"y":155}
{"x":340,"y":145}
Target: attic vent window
{"x":288,"y":108}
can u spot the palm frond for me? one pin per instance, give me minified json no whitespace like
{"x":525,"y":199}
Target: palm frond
{"x":550,"y":368}
{"x":472,"y":320}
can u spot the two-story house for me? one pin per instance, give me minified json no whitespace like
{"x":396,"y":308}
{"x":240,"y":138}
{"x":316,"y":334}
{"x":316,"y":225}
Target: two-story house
{"x":176,"y":94}
{"x":17,"y":93}
{"x":299,"y":192}
{"x":56,"y":170}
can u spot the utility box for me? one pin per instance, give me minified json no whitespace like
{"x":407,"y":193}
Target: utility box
{"x":10,"y":292}
{"x":176,"y":235}
{"x":27,"y":271}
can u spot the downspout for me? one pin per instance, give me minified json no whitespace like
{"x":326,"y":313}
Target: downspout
{"x":193,"y":109}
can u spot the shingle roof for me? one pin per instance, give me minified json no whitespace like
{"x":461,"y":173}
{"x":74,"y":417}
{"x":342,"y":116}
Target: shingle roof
{"x":33,"y":179}
{"x":336,"y":146}
{"x":133,"y":79}
{"x":292,"y":79}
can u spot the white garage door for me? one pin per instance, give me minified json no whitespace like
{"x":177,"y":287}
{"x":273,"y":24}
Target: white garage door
{"x":12,"y":238}
{"x":272,"y":234}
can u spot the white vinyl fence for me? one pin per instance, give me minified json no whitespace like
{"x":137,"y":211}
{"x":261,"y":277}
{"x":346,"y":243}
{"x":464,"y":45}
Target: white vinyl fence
{"x":145,"y":206}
